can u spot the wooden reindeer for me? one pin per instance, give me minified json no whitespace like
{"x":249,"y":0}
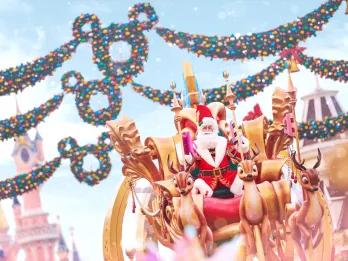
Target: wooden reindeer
{"x":188,"y":212}
{"x":254,"y":222}
{"x":305,"y":222}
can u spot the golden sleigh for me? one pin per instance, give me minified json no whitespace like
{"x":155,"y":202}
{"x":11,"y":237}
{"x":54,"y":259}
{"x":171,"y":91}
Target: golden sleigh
{"x":150,"y":161}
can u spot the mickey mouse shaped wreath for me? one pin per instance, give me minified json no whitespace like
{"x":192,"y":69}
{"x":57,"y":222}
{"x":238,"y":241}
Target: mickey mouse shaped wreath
{"x":68,"y":148}
{"x":84,"y":90}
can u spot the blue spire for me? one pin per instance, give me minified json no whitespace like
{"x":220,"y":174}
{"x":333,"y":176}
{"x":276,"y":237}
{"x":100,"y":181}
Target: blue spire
{"x":2,"y":253}
{"x":62,"y":247}
{"x":15,"y":202}
{"x":75,"y":253}
{"x":37,"y":135}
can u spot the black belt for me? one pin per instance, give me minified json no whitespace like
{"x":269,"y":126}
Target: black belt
{"x":214,"y":172}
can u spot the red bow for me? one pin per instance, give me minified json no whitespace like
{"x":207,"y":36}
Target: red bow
{"x":294,"y":52}
{"x":252,"y":115}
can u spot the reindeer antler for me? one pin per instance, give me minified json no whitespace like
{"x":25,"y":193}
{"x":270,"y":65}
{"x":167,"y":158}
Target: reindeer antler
{"x":181,"y":167}
{"x":299,"y":166}
{"x":171,"y":166}
{"x":189,"y":167}
{"x":317,"y":164}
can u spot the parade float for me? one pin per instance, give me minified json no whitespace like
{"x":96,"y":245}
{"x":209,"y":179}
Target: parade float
{"x":255,"y":184}
{"x":256,"y":187}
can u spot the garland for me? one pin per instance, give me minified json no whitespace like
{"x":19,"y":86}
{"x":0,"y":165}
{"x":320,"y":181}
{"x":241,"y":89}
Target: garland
{"x":257,"y":44}
{"x":249,"y":86}
{"x":131,"y":32}
{"x":68,"y":148}
{"x":118,"y":74}
{"x":329,"y":127}
{"x":156,"y":95}
{"x":15,"y":79}
{"x":20,"y":124}
{"x":22,"y":183}
{"x":336,"y":70}
{"x":243,"y":88}
{"x":84,"y":90}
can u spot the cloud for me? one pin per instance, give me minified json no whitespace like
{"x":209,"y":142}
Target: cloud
{"x":41,"y":37}
{"x":11,"y":53}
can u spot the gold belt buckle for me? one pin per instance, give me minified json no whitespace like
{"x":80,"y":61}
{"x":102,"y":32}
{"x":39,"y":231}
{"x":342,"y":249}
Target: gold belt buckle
{"x":217,"y":172}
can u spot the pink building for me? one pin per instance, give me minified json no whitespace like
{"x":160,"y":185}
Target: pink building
{"x":39,"y":239}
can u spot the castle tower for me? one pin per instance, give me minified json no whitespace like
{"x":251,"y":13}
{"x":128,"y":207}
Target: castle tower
{"x":34,"y":234}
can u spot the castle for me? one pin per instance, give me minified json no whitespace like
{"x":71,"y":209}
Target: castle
{"x":39,"y":239}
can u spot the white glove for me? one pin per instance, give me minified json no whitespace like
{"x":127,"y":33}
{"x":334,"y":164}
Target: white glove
{"x":237,"y":186}
{"x":244,"y":147}
{"x":200,"y":187}
{"x":188,"y":158}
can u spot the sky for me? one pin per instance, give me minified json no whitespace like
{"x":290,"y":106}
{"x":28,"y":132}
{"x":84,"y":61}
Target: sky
{"x":30,"y":29}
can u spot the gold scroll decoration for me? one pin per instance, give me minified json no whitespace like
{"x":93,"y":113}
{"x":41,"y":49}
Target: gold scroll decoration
{"x":136,"y":158}
{"x":276,"y":140}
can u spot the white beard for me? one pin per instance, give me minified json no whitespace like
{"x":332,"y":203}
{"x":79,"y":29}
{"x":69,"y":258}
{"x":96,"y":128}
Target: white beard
{"x":205,"y":141}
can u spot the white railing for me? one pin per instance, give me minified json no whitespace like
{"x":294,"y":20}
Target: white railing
{"x":37,"y":233}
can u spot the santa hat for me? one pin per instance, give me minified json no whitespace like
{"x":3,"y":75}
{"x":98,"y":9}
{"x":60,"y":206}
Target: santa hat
{"x":203,"y":112}
{"x":205,"y":117}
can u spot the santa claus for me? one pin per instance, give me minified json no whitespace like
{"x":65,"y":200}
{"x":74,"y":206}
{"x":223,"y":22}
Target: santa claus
{"x":215,"y":169}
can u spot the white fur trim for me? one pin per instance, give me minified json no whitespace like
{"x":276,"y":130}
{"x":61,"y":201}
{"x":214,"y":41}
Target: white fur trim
{"x":211,"y":122}
{"x":220,"y":150}
{"x":200,"y":187}
{"x":237,"y":186}
{"x":205,"y":154}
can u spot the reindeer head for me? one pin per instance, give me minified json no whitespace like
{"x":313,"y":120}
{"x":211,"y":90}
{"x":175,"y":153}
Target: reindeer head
{"x":309,"y":177}
{"x":247,"y":170}
{"x":183,"y":180}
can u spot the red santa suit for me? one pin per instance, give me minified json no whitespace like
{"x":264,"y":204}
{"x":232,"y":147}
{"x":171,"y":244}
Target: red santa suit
{"x":212,"y":161}
{"x":215,"y":175}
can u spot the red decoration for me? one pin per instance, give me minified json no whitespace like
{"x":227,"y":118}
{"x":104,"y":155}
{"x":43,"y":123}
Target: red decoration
{"x":294,"y":52}
{"x":252,"y":115}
